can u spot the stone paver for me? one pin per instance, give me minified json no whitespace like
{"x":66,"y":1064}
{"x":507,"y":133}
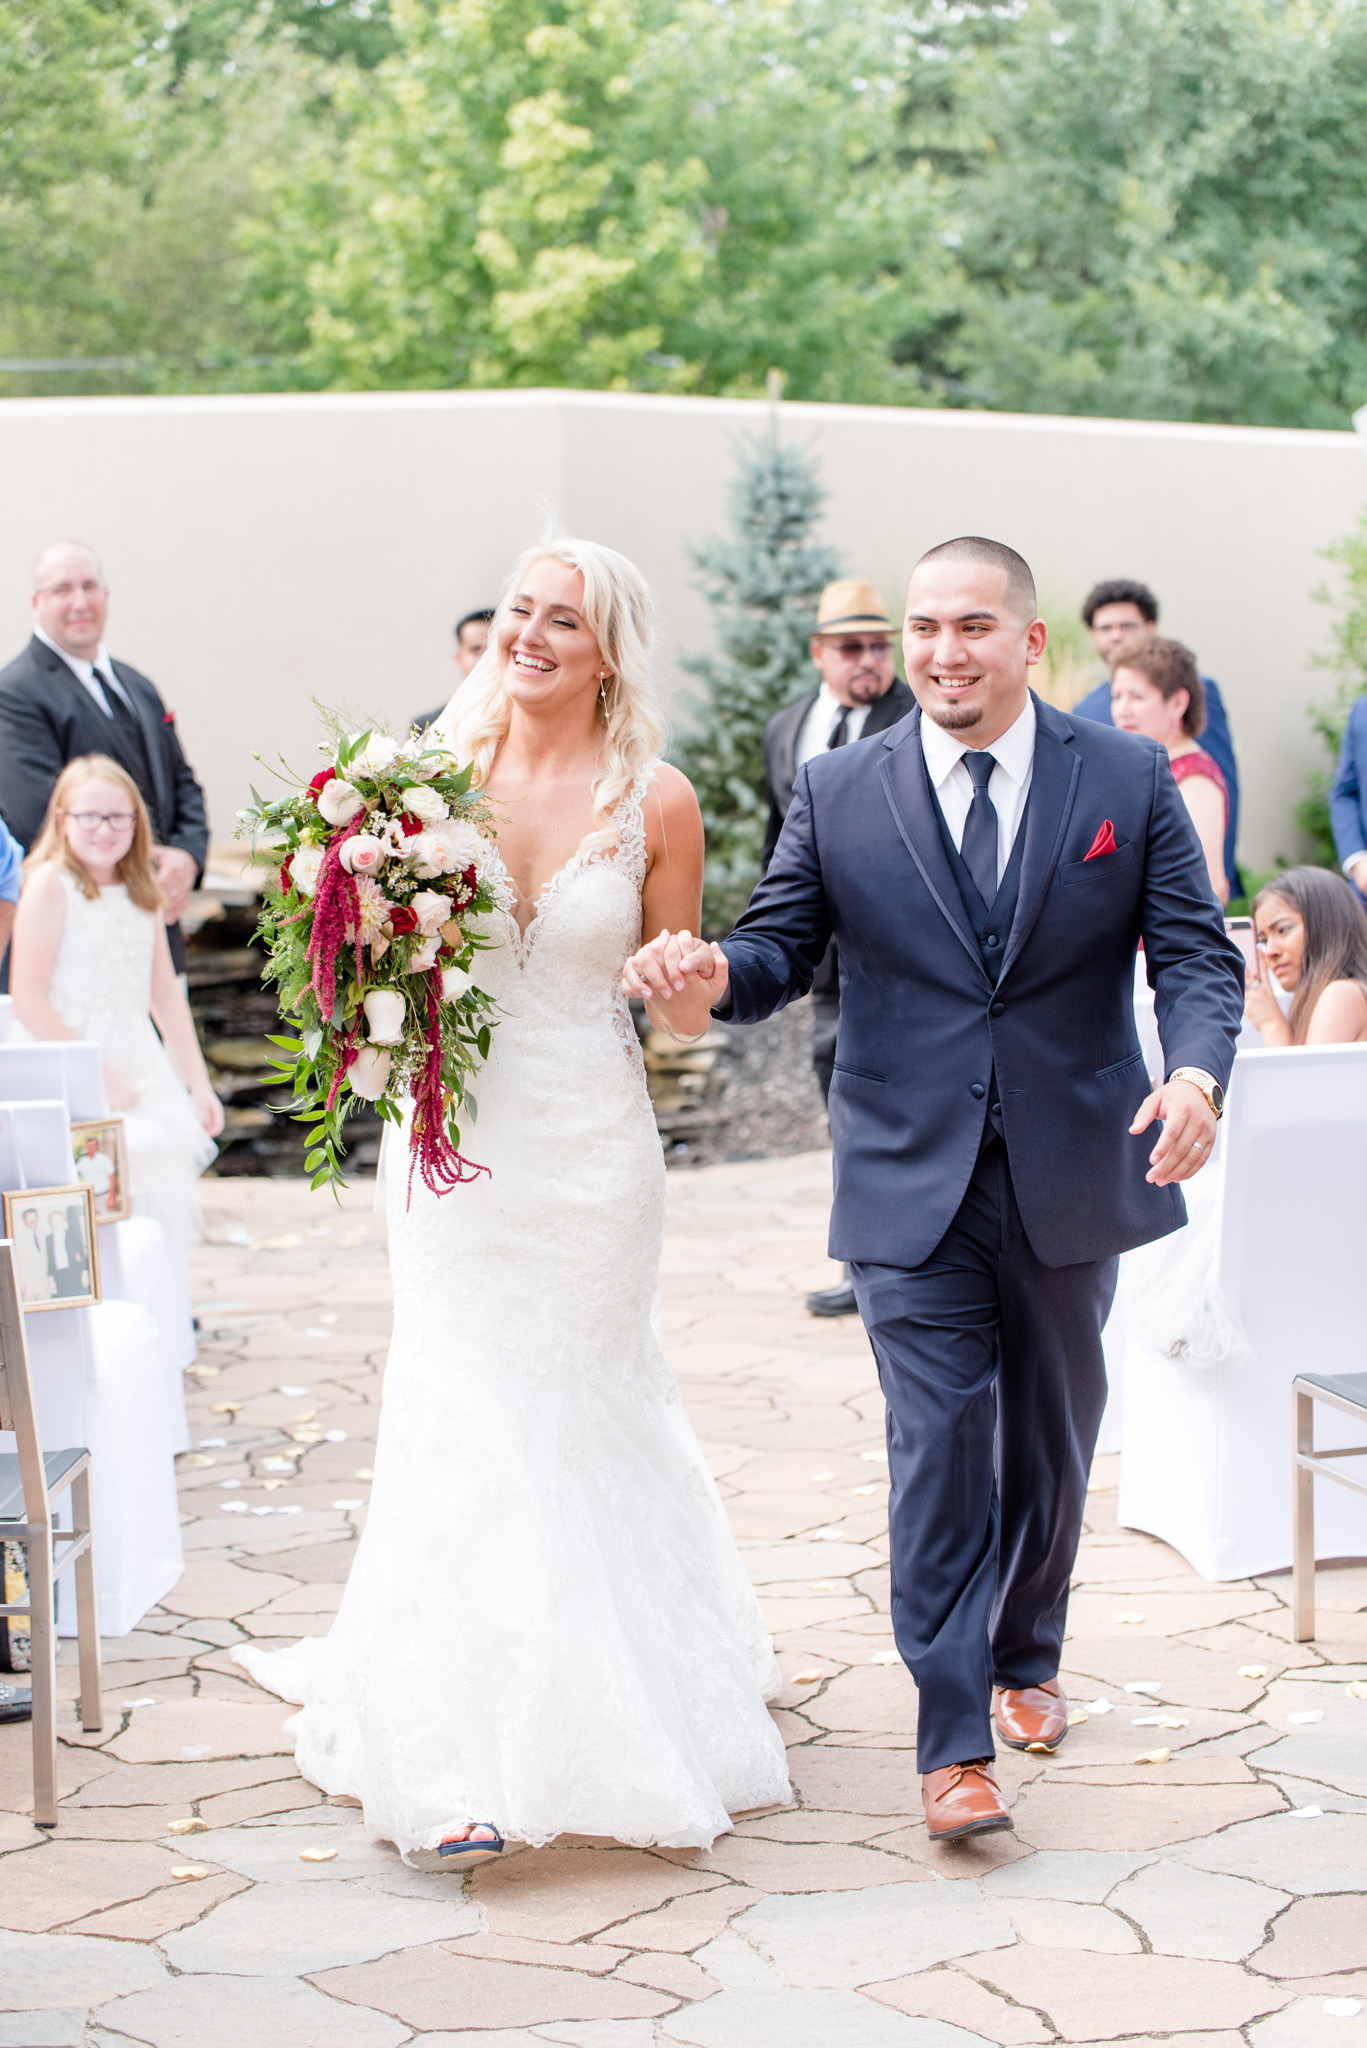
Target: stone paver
{"x":840,"y":1940}
{"x":1178,"y":1903}
{"x":1186,"y":1912}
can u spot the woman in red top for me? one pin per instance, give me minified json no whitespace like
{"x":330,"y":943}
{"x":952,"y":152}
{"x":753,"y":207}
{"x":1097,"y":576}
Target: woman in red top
{"x":1156,"y":689}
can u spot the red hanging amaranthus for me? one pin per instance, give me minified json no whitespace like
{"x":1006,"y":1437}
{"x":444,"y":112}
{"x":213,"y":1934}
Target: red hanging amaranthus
{"x":439,"y":1162}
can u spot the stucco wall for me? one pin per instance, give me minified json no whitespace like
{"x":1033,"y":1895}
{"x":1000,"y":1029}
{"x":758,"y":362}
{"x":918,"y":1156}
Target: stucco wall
{"x":264,"y":550}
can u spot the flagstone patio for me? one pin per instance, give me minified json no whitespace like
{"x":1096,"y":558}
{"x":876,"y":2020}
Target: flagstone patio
{"x":197,"y":1891}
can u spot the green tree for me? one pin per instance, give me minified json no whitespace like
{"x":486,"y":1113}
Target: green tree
{"x":762,"y":581}
{"x":646,"y":194}
{"x":1346,"y":661}
{"x":1158,"y":207}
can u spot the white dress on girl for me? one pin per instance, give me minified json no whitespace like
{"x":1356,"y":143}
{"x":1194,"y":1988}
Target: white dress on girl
{"x":101,"y":988}
{"x":547,"y":1624}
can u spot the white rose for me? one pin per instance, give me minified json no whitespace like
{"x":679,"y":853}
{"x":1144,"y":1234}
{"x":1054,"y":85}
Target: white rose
{"x":305,"y":862}
{"x":431,"y":909}
{"x":385,"y":1010}
{"x":427,"y":804}
{"x":448,"y":848}
{"x":378,"y":753}
{"x":425,"y":854}
{"x":361,"y":854}
{"x":369,"y":1072}
{"x":454,"y":982}
{"x":339,"y":801}
{"x":425,"y":956}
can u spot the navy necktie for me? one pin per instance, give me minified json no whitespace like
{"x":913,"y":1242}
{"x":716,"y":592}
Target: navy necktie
{"x":840,"y":731}
{"x":979,"y":848}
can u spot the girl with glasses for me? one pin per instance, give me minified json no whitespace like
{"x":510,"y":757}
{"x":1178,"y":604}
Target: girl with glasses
{"x":90,"y":960}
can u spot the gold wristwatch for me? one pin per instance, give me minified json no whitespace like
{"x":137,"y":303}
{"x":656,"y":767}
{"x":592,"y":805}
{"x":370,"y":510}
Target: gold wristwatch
{"x":1207,"y":1086}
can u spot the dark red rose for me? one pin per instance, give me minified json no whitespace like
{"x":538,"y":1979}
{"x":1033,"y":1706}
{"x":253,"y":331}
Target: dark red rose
{"x":409,"y":825}
{"x":320,"y":782}
{"x":403,"y":920}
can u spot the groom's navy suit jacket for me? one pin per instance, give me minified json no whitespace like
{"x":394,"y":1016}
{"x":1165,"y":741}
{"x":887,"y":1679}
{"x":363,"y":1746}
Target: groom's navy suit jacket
{"x":931,"y":1034}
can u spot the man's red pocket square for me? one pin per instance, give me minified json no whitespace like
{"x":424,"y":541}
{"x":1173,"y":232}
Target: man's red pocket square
{"x":1103,"y":843}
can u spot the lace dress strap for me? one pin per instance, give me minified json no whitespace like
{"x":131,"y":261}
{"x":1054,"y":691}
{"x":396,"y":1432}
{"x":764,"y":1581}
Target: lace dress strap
{"x":630,"y":855}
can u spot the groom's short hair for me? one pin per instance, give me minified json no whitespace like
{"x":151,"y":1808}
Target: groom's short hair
{"x":971,"y":547}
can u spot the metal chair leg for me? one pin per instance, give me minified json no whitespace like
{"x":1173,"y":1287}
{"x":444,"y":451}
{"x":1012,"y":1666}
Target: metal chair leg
{"x":1303,"y":1535}
{"x":43,"y":1679}
{"x":87,"y":1613}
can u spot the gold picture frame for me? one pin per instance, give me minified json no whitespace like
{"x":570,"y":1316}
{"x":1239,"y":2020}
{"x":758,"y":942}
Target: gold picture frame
{"x":105,"y":1170}
{"x":56,"y":1251}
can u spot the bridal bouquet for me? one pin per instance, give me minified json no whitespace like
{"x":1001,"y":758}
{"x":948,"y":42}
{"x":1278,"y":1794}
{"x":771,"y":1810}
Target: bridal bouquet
{"x":383,"y":862}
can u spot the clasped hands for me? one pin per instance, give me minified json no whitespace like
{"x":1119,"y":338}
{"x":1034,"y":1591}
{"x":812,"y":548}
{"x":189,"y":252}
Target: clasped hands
{"x":679,"y":978}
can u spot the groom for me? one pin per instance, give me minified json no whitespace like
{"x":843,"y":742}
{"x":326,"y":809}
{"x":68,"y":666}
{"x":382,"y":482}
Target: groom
{"x":986,"y":869}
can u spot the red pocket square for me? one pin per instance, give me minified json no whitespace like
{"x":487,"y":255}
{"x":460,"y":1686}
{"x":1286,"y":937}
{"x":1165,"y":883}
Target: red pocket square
{"x":1103,"y":843}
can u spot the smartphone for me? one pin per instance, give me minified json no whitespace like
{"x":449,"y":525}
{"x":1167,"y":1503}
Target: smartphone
{"x":1240,"y":929}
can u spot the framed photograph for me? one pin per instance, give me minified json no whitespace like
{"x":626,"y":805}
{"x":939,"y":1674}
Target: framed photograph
{"x":100,"y":1151}
{"x":56,"y":1257}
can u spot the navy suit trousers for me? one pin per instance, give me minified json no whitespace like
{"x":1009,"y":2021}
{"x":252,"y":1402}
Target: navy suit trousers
{"x":992,"y":1370}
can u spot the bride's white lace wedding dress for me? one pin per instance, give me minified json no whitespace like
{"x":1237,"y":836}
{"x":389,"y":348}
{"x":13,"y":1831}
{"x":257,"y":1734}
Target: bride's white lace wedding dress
{"x":547,"y":1624}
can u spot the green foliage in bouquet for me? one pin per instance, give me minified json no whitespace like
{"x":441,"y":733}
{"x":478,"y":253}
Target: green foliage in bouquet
{"x":384,"y":865}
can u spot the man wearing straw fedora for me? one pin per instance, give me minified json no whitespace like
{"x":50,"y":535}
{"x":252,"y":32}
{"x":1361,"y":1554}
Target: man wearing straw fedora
{"x":859,"y":695}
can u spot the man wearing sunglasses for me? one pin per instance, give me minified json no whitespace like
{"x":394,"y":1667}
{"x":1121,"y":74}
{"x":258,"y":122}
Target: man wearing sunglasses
{"x":64,"y":697}
{"x":858,"y":695}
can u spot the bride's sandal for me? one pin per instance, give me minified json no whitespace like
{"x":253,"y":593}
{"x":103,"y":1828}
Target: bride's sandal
{"x":458,"y":1852}
{"x":466,"y":1849}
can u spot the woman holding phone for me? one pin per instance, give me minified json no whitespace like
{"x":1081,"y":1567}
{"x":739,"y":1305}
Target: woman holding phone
{"x":1311,"y":934}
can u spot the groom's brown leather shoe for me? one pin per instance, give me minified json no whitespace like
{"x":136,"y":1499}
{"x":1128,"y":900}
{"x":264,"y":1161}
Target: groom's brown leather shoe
{"x":1031,"y":1716}
{"x":963,"y":1799}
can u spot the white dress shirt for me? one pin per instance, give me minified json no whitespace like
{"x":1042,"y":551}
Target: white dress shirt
{"x":814,"y":736}
{"x":97,"y":675}
{"x":1008,"y":786}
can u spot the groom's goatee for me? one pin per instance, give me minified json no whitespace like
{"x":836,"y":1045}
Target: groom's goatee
{"x":954,"y":718}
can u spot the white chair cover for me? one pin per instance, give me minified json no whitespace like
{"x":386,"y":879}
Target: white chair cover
{"x":6,"y":1016}
{"x":99,"y":1380}
{"x":1206,"y":1452}
{"x":73,"y":1070}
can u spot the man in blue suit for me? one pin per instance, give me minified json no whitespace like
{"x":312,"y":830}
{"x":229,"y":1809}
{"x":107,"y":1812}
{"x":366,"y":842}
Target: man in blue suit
{"x":1113,"y":612}
{"x":1348,"y":799}
{"x":987,"y":869}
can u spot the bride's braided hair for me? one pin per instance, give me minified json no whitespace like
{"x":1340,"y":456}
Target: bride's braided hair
{"x":619,"y":612}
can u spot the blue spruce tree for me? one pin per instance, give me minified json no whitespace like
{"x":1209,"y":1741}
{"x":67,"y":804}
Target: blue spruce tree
{"x":763,"y":583}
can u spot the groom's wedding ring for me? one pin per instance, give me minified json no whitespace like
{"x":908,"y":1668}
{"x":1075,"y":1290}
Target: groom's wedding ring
{"x":1197,"y":1146}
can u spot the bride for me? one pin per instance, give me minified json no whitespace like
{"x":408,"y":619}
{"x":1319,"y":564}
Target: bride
{"x":547,"y":1629}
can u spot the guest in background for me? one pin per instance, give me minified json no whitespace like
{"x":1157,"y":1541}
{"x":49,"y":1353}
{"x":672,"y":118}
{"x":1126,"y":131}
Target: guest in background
{"x":1348,"y":799}
{"x":1120,"y":609}
{"x":63,"y":698}
{"x":472,"y":638}
{"x":11,"y":879}
{"x":91,"y":961}
{"x":1156,"y":690}
{"x":858,"y":695}
{"x":1312,"y":941}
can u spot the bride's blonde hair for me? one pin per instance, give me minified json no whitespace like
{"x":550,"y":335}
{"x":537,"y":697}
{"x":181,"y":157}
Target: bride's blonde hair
{"x":618,"y":611}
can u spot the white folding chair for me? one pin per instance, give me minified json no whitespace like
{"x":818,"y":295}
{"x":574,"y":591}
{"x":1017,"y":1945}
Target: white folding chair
{"x":30,"y":1479}
{"x":1204,"y":1462}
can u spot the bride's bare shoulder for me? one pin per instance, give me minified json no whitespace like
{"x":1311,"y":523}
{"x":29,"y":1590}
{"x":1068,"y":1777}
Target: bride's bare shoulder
{"x":671,"y":808}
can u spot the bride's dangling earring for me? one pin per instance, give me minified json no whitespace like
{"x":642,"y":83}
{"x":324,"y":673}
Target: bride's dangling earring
{"x":603,"y":693}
